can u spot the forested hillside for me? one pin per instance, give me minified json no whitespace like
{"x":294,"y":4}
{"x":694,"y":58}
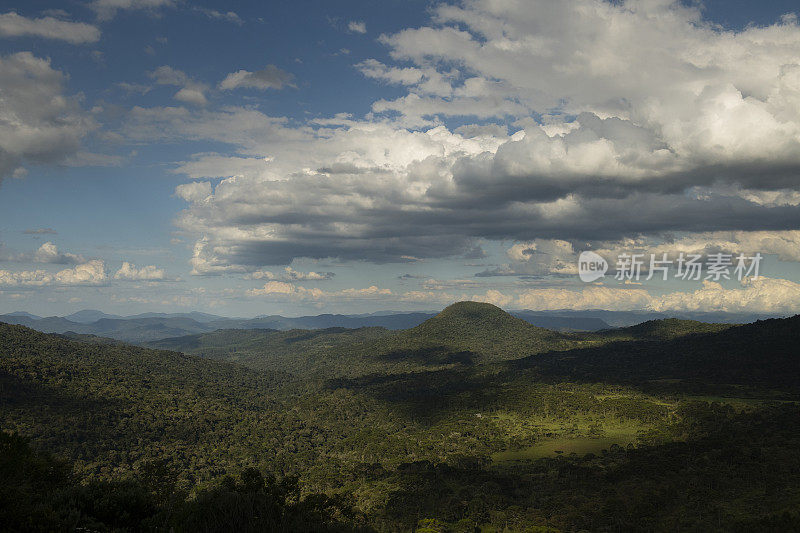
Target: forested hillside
{"x":472,"y":419}
{"x":295,"y":351}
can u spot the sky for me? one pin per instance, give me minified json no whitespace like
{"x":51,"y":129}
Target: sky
{"x":248,"y":158}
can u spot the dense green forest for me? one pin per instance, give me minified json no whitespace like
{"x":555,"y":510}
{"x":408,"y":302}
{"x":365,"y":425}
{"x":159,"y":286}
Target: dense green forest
{"x":474,"y":419}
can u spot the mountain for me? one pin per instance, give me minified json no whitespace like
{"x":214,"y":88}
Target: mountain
{"x":394,"y":321}
{"x":51,"y":324}
{"x":128,"y":330}
{"x":23,"y":314}
{"x":144,"y":329}
{"x":148,"y":327}
{"x":463,"y":334}
{"x":88,"y":316}
{"x":562,"y":322}
{"x":194,"y":315}
{"x":479,"y":327}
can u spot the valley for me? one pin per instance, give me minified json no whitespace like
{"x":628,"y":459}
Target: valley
{"x":474,"y":418}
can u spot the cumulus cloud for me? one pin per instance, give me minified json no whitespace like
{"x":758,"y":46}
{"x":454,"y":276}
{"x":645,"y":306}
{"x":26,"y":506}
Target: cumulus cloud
{"x":194,"y":192}
{"x":48,"y":253}
{"x":537,"y":258}
{"x":89,"y":273}
{"x":290,"y":274}
{"x":292,"y":292}
{"x":191,"y":95}
{"x":593,"y":297}
{"x":372,"y":68}
{"x":762,"y":295}
{"x":190,"y":92}
{"x":129,"y":272}
{"x":494,"y":297}
{"x":783,"y":244}
{"x":542,"y":257}
{"x":269,"y":77}
{"x":38,"y":122}
{"x":629,"y":120}
{"x":14,"y":25}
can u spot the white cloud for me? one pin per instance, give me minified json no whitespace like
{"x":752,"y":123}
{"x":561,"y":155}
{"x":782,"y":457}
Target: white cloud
{"x":784,"y":244}
{"x":89,"y":273}
{"x":190,"y":92}
{"x":428,"y":297}
{"x":48,"y":253}
{"x":762,"y":295}
{"x":194,"y":95}
{"x":292,"y":292}
{"x":494,"y":297}
{"x":542,"y":257}
{"x":593,"y":297}
{"x":538,"y":258}
{"x":600,"y":152}
{"x":197,"y":191}
{"x":357,"y":26}
{"x":14,"y":25}
{"x":403,"y":76}
{"x":129,"y":272}
{"x":270,"y":77}
{"x":38,"y":122}
{"x":275,"y":287}
{"x":290,"y":274}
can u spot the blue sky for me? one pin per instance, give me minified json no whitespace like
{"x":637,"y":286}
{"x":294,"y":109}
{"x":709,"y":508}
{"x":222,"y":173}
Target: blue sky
{"x":169,"y":155}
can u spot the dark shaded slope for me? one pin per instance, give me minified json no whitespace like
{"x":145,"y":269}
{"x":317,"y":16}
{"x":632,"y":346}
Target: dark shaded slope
{"x":764,"y":353}
{"x":663,"y":329}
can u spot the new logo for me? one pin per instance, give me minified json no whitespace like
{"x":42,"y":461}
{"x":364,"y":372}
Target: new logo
{"x":591,"y":267}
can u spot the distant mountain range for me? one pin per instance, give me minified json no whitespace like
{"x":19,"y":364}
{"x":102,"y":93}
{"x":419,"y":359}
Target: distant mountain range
{"x":148,"y":327}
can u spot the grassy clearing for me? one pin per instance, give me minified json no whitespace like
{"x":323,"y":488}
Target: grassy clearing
{"x":621,"y":435}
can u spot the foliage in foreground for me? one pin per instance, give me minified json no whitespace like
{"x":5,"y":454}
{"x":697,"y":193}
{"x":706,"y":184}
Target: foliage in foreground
{"x":40,"y":493}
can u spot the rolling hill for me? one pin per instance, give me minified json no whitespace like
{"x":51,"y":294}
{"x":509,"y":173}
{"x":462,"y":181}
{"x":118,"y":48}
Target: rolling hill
{"x":482,"y":330}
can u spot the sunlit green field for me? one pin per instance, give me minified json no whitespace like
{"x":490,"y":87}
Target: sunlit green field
{"x":566,"y":446}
